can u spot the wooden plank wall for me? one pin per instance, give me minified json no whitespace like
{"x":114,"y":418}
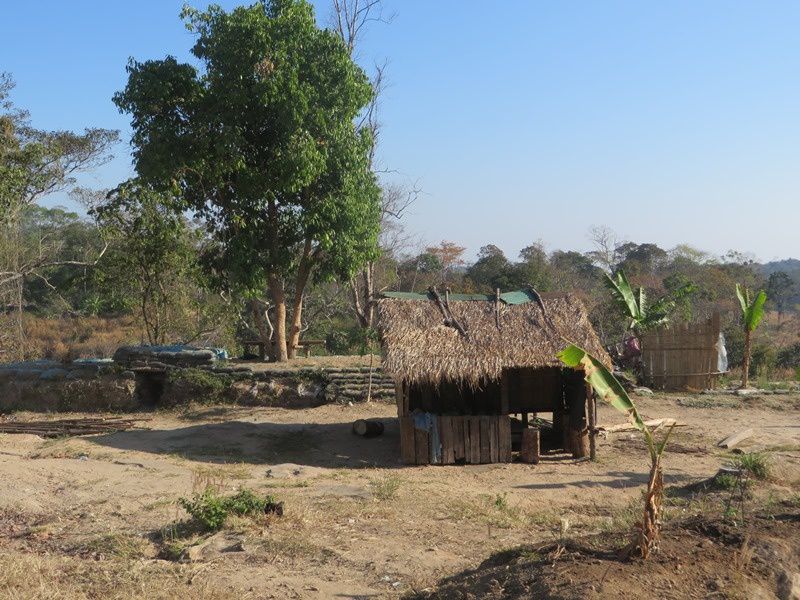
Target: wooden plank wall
{"x":464,"y":439}
{"x":683,"y":356}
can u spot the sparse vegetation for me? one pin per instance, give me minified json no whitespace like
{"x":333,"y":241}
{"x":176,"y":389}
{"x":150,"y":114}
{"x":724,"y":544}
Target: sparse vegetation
{"x":756,"y":464}
{"x":385,"y":488}
{"x":725,"y":481}
{"x":210,"y":509}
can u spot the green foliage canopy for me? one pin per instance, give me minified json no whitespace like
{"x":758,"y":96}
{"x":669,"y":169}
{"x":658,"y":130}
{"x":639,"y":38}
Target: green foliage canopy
{"x":261,"y":141}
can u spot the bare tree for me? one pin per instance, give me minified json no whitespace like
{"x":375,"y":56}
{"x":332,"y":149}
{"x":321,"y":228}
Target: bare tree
{"x":606,"y":243}
{"x":351,"y":18}
{"x":393,"y":240}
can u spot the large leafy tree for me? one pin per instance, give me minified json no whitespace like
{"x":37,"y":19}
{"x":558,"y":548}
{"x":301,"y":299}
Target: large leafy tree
{"x":752,"y":313}
{"x":261,"y":142}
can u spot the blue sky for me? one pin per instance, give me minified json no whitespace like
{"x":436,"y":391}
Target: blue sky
{"x":520,"y":120}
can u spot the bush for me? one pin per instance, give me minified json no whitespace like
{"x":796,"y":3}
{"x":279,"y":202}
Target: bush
{"x":762,"y":359}
{"x":789,"y":357}
{"x":755,"y":463}
{"x":337,"y":342}
{"x":734,"y":344}
{"x":211,"y":510}
{"x":725,"y":481}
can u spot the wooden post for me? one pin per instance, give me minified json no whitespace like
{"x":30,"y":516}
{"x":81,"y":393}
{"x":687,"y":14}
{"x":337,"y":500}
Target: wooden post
{"x":576,"y":431}
{"x":497,"y":307}
{"x":591,"y":409}
{"x":529,"y":449}
{"x":407,"y":441}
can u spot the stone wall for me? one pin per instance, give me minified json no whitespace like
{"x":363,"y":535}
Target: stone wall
{"x":48,"y":386}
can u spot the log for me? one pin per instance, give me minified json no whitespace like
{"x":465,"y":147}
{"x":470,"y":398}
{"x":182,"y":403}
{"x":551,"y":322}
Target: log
{"x":736,"y":438}
{"x":529,"y":448}
{"x":653,"y":424}
{"x":367,"y":429}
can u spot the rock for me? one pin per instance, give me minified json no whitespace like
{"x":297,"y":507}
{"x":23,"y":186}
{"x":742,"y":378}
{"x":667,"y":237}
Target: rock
{"x":643,"y":391}
{"x":789,"y":586}
{"x":82,"y":374}
{"x":748,"y":392}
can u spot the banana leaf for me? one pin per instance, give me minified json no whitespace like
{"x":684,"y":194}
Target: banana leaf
{"x":607,"y":388}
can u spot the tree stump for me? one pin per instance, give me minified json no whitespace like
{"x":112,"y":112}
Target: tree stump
{"x":367,"y":429}
{"x":578,"y":442}
{"x":529,"y":448}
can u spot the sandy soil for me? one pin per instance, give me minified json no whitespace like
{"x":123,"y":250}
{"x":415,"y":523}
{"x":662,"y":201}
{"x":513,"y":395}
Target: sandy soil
{"x":90,"y":515}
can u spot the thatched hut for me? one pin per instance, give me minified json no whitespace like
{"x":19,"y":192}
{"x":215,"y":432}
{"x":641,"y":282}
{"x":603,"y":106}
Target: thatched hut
{"x":464,"y":364}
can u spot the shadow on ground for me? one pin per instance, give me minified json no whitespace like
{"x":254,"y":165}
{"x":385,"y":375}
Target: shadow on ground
{"x":621,"y":480}
{"x":331,"y":445}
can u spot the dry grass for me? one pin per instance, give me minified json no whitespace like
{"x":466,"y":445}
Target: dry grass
{"x":31,"y":577}
{"x":69,"y":338}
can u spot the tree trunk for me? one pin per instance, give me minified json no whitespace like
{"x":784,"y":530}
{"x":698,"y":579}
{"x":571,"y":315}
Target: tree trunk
{"x":746,"y":359}
{"x":647,"y":536}
{"x":369,"y":291}
{"x":303,"y":271}
{"x":363,"y":304}
{"x":264,"y":331}
{"x":278,"y":296}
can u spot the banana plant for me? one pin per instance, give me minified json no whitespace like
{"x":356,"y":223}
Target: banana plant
{"x":609,"y":390}
{"x":752,"y":313}
{"x":634,"y":304}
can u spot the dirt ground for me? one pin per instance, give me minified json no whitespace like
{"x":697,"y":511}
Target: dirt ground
{"x":91,"y":517}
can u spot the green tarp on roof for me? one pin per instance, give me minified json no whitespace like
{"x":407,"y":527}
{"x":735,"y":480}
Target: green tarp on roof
{"x":517,"y":297}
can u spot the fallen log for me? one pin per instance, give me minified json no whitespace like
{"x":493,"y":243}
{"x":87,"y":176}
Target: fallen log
{"x":367,"y":429}
{"x":736,"y":438}
{"x":652,"y":424}
{"x":68,"y":427}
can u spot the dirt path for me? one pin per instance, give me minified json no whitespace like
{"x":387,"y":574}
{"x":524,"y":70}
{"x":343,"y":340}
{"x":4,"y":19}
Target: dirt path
{"x":357,"y":523}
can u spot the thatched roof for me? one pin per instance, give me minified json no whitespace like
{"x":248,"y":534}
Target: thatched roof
{"x":419,"y":347}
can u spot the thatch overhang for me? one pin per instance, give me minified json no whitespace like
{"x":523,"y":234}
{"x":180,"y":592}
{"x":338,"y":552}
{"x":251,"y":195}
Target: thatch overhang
{"x":523,"y":330}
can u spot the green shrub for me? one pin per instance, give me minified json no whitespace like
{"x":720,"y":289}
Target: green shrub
{"x":755,"y":463}
{"x":197,"y":385}
{"x":337,"y":342}
{"x":211,"y":510}
{"x":725,"y":481}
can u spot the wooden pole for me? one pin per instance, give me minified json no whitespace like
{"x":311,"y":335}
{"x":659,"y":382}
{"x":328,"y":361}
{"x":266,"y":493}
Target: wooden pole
{"x":497,"y":307}
{"x":591,"y":407}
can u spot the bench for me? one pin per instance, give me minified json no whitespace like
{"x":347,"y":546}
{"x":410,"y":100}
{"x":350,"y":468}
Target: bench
{"x":308,"y":344}
{"x":262,"y":348}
